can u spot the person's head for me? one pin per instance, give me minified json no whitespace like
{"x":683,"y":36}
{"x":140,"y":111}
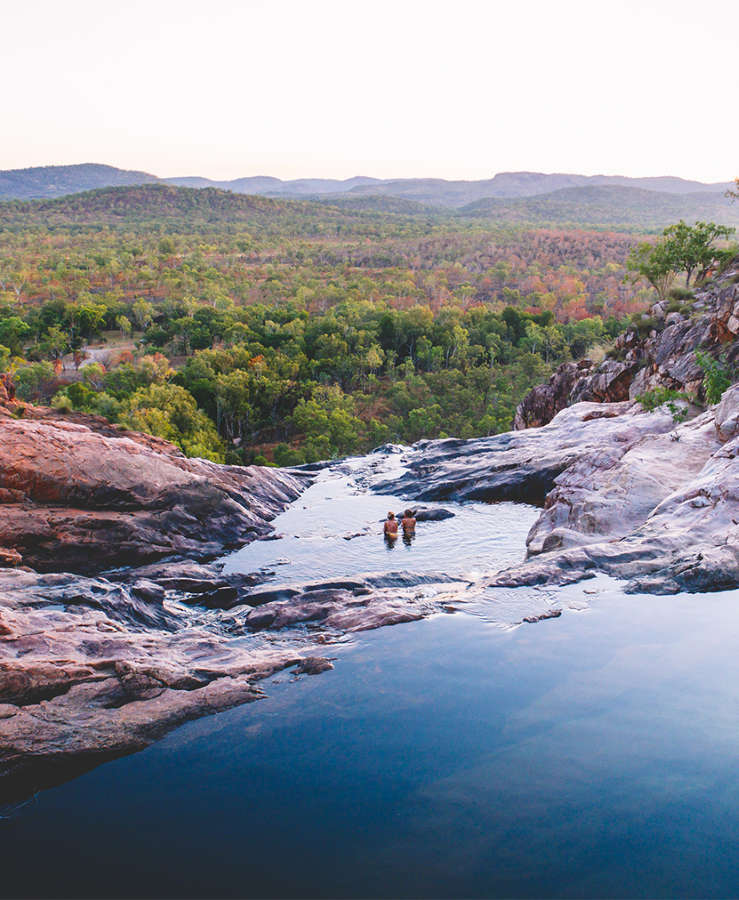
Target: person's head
{"x":391,"y":515}
{"x":408,"y":514}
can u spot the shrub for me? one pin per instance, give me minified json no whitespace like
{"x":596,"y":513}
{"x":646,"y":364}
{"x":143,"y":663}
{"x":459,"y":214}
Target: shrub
{"x":284,"y":455}
{"x":681,"y":294}
{"x":717,"y":375}
{"x":662,"y":396}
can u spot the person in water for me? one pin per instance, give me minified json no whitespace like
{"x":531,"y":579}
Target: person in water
{"x":409,"y":522}
{"x":391,"y":527}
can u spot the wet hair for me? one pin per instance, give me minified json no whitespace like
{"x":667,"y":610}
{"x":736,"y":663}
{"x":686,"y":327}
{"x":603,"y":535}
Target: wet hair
{"x":408,"y":514}
{"x":391,"y":515}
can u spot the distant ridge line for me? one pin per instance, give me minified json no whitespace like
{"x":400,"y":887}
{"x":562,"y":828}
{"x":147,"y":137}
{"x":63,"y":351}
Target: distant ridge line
{"x":48,"y":182}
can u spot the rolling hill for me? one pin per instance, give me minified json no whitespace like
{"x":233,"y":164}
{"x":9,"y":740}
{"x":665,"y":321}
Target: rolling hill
{"x":181,"y":209}
{"x":606,"y":205}
{"x":58,"y":181}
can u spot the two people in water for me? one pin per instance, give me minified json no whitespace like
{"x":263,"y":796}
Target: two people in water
{"x":407,"y":524}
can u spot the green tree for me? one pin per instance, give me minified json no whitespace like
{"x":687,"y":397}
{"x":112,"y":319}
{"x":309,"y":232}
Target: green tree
{"x":656,"y":263}
{"x":693,"y":248}
{"x":170,"y":412}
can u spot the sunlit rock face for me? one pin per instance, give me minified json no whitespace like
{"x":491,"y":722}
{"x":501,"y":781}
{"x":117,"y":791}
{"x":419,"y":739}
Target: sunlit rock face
{"x":525,"y":465}
{"x":82,"y":496}
{"x":664,"y":513}
{"x":665,"y":357}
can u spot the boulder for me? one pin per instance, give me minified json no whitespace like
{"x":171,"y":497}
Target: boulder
{"x":83,"y":496}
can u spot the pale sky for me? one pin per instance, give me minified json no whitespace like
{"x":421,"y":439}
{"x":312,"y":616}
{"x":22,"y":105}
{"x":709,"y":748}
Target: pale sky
{"x":318,"y":88}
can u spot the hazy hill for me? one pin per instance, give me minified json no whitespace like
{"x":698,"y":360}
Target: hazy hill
{"x":184,"y":207}
{"x":57,"y":181}
{"x":606,"y":205}
{"x":264,"y":184}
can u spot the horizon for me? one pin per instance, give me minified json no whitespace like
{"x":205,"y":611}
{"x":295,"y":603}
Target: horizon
{"x":399,"y":90}
{"x":261,"y":174}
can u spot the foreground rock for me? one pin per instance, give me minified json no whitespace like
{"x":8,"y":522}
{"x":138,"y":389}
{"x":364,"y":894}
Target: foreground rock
{"x":83,"y":496}
{"x":92,"y":667}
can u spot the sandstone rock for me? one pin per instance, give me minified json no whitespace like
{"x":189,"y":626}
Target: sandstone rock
{"x":609,"y":492}
{"x":666,"y":358}
{"x":550,"y":614}
{"x":313,"y":665}
{"x":543,"y":402}
{"x":522,"y":465}
{"x":439,"y":514}
{"x":85,"y":497}
{"x":689,"y":540}
{"x":9,"y":557}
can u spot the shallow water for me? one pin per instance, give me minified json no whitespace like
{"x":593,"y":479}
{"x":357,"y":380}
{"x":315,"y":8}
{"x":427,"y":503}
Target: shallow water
{"x":590,"y":756}
{"x":334,"y":530}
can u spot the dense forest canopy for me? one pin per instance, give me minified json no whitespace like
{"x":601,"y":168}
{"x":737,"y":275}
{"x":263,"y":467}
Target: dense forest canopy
{"x":248,"y":328}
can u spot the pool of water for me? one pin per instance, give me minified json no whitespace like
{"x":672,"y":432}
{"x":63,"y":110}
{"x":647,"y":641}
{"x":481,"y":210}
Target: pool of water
{"x":594,"y":755}
{"x":335,"y":531}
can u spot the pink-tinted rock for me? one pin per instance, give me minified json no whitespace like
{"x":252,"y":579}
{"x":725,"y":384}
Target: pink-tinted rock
{"x":84,"y":497}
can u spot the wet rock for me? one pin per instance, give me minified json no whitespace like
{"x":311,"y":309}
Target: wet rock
{"x":313,"y":665}
{"x":349,"y":584}
{"x":269,"y":595}
{"x":410,"y":579}
{"x":549,"y":614}
{"x":438,"y":514}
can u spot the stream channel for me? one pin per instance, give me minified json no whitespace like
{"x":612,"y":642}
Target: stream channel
{"x":464,"y":755}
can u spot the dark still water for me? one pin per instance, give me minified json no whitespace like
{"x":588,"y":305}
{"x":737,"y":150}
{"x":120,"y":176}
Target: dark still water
{"x":594,"y":755}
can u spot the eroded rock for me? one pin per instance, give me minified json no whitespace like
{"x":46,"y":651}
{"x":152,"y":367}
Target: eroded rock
{"x":663,"y":358}
{"x":84,"y":497}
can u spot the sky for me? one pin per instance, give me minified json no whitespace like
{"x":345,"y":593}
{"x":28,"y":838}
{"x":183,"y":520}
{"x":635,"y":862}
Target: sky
{"x":410,"y":88}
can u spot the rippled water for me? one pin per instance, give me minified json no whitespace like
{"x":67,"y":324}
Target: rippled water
{"x":335,"y":531}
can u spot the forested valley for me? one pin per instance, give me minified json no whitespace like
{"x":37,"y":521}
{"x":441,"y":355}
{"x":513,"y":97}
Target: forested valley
{"x":253,"y":330}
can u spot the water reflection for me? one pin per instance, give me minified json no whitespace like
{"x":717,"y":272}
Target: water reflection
{"x":590,"y":756}
{"x":333,"y":531}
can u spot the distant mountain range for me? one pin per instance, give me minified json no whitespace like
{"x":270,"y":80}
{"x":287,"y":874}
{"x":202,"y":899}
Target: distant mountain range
{"x":46,"y":182}
{"x":93,"y":193}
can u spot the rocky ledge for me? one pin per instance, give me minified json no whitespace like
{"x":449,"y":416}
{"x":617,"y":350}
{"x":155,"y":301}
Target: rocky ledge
{"x":78,"y":494}
{"x":659,"y":353}
{"x":623,"y":491}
